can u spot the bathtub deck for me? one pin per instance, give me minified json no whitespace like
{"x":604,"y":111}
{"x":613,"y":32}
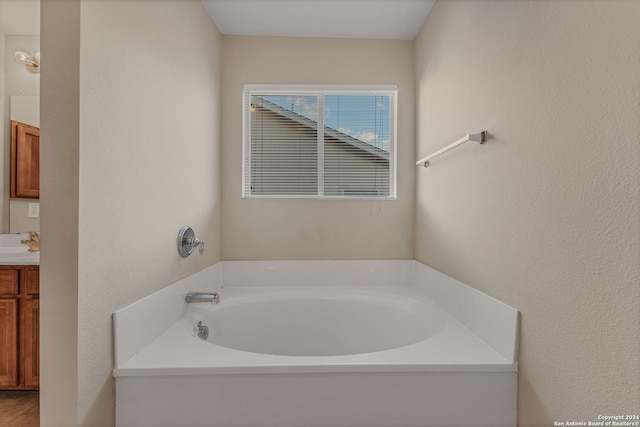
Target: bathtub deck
{"x":178,"y":352}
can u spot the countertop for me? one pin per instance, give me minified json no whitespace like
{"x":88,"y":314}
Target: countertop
{"x":18,"y":256}
{"x":12,"y":252}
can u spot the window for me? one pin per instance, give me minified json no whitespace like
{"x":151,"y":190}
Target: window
{"x":312,"y":141}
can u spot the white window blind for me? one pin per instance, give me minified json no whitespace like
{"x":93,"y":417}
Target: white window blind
{"x":319,"y":142}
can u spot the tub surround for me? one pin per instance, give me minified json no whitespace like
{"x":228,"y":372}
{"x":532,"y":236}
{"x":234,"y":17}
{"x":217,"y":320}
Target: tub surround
{"x":154,"y":334}
{"x":176,"y":352}
{"x":492,"y":321}
{"x":138,"y":324}
{"x":470,"y":362}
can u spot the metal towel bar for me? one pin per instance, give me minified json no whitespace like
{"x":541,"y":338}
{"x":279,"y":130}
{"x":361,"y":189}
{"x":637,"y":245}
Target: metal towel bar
{"x":477,"y":137}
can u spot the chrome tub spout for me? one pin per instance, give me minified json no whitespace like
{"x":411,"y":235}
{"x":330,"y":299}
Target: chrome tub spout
{"x":211,"y":297}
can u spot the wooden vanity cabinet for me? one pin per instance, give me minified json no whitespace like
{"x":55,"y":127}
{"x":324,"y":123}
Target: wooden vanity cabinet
{"x":19,"y":327}
{"x":25,"y":161}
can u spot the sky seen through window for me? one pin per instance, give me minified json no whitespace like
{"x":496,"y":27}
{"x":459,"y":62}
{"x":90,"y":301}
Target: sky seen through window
{"x":364,"y":117}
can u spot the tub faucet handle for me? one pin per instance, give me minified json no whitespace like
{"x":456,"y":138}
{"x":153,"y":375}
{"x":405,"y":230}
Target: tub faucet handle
{"x":196,"y":241}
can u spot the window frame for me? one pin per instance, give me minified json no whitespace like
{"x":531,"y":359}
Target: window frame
{"x":319,"y":91}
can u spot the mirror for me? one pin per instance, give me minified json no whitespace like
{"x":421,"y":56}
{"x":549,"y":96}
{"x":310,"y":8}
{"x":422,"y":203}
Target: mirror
{"x":17,"y":81}
{"x":24,"y":214}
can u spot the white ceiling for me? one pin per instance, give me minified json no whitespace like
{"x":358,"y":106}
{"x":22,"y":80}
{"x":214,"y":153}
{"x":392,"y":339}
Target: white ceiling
{"x":370,"y":19}
{"x":20,"y":17}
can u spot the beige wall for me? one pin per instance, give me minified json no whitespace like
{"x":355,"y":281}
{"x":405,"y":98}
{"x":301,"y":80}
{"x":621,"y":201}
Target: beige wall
{"x":306,"y":228}
{"x":545,"y":216}
{"x":143,"y":160}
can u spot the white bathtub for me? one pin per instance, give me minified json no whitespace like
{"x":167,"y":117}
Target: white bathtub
{"x":318,"y":322}
{"x":348,"y":343}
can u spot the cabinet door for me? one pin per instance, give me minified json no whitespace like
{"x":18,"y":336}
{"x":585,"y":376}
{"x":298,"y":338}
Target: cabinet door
{"x":32,"y":343}
{"x":9,"y":281}
{"x":32,"y":280}
{"x":25,"y":160}
{"x":8,"y":342}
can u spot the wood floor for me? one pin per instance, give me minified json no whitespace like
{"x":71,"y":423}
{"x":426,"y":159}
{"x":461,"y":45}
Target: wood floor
{"x":19,"y":409}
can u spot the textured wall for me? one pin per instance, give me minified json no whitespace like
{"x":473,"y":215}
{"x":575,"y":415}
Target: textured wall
{"x":147,"y":162}
{"x":312,"y":228}
{"x":545,"y":216}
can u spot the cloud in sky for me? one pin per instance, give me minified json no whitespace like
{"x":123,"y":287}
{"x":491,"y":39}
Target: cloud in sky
{"x":306,"y":106}
{"x":368,"y":137}
{"x":364,"y":136}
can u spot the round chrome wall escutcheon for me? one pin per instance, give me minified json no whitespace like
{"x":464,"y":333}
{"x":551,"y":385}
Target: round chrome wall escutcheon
{"x":184,"y":241}
{"x":187,"y":241}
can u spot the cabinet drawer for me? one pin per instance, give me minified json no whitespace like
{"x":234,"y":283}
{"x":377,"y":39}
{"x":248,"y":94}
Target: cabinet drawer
{"x":33,"y":281}
{"x":9,"y":282}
